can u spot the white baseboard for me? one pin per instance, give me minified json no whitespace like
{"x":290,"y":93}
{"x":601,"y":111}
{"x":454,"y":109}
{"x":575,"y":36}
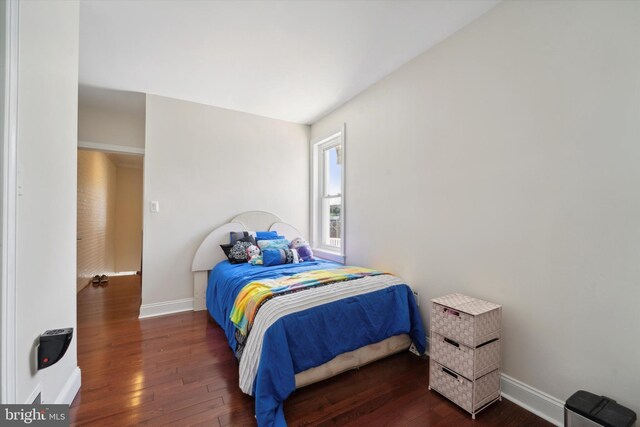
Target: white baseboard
{"x":70,"y":388}
{"x":36,"y":391}
{"x":167,"y":307}
{"x":533,"y":400}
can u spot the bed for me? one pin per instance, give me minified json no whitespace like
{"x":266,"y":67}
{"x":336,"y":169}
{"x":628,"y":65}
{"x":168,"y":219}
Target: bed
{"x":300,"y":337}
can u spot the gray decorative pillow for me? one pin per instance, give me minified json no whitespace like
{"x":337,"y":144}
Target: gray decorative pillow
{"x":234,"y":236}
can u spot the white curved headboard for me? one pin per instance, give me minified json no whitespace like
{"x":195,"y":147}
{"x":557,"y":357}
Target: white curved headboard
{"x":286,"y":230}
{"x":257,"y":220}
{"x":209,"y":253}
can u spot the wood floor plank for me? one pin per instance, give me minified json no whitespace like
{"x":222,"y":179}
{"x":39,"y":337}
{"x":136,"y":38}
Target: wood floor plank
{"x":173,"y":417}
{"x":178,"y":370}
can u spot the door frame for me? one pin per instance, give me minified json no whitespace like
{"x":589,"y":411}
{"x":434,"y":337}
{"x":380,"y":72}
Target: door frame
{"x":10,"y":191}
{"x":110,"y":148}
{"x":121,"y":149}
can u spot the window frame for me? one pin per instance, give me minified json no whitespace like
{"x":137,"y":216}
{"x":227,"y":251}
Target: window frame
{"x":318,"y":147}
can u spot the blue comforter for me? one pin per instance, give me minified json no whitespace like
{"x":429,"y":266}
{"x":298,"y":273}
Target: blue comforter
{"x":288,"y":348}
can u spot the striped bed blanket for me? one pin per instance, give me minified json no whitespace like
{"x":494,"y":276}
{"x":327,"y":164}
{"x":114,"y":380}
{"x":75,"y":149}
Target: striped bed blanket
{"x":254,"y":294}
{"x":303,"y":330}
{"x":298,"y":331}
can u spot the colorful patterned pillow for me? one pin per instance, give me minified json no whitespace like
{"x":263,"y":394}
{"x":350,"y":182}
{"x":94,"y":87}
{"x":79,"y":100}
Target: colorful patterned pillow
{"x":272,"y":257}
{"x":238,"y":252}
{"x":273,"y":244}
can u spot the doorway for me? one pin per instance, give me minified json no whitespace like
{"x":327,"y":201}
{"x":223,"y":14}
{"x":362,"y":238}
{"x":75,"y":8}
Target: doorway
{"x":109,"y":239}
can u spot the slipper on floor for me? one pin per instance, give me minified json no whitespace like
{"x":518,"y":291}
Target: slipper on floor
{"x":95,"y":280}
{"x":104,"y":279}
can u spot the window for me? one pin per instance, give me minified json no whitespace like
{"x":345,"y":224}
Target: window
{"x":327,"y":210}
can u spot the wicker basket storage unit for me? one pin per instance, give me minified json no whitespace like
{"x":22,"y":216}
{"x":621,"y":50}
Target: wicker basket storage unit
{"x":464,"y":319}
{"x":469,"y":395}
{"x":465,"y":351}
{"x":469,"y":362}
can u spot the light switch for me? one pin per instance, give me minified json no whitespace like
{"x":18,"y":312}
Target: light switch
{"x":155,"y":206}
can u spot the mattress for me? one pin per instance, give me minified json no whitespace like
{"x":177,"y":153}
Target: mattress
{"x":300,"y":331}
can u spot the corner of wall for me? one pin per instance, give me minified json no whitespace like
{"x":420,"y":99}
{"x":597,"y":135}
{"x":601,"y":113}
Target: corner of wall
{"x":70,"y":388}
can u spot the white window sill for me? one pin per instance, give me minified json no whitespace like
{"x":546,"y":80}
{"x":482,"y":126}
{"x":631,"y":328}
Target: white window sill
{"x":328,"y":255}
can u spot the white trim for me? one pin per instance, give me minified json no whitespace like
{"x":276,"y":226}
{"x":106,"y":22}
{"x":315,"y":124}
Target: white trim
{"x":331,"y":256}
{"x":533,"y":400}
{"x":167,"y":307}
{"x":111,"y":148}
{"x":70,"y":388}
{"x":312,"y":192}
{"x":320,"y":141}
{"x":343,"y":213}
{"x":123,"y":273}
{"x":315,"y":190}
{"x":32,"y":396}
{"x":8,"y":345}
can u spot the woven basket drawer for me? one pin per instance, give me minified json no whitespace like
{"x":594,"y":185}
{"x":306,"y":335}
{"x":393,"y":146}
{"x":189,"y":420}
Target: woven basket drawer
{"x":470,"y":363}
{"x":470,"y":330}
{"x":469,"y":395}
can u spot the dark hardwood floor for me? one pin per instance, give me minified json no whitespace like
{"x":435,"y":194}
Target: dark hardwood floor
{"x":178,"y":370}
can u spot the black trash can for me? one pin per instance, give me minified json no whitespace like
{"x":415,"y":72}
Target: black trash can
{"x":585,"y":409}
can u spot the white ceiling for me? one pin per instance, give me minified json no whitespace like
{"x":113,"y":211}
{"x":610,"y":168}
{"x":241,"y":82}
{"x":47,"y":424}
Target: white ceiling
{"x":290,"y":60}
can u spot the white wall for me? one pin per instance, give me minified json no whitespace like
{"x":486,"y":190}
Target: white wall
{"x":504,"y":163}
{"x":3,"y":63}
{"x":46,"y":217}
{"x":106,"y":125}
{"x":205,"y":165}
{"x":128,"y":211}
